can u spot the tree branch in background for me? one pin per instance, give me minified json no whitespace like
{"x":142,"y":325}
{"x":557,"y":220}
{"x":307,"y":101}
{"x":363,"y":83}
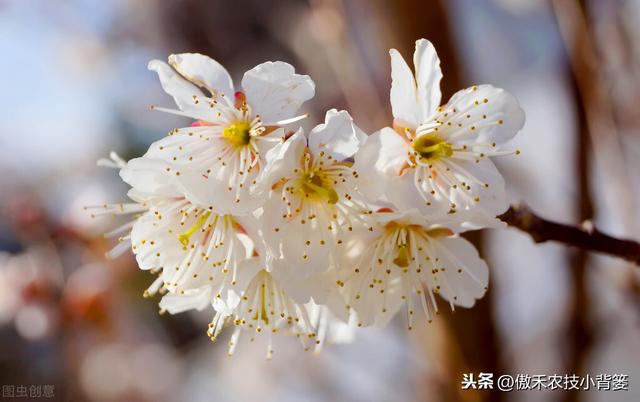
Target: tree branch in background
{"x":586,"y":237}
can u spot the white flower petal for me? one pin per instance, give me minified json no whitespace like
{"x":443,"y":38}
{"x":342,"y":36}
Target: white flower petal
{"x":404,"y":97}
{"x":248,"y":228}
{"x":137,"y":196}
{"x":406,"y":217}
{"x":247,"y":271}
{"x":207,"y":170}
{"x":336,"y":302}
{"x":338,"y":137}
{"x":386,"y":149}
{"x":466,"y":275}
{"x":186,"y":146}
{"x":196,"y":299}
{"x":379,"y":160}
{"x":301,"y":288}
{"x":149,"y":178}
{"x":150,"y":237}
{"x":483,"y":115}
{"x":428,"y":76}
{"x":302,"y":242}
{"x":485,"y":197}
{"x":175,"y":85}
{"x":275,"y":92}
{"x":229,"y":299}
{"x":281,"y":160}
{"x":220,"y":189}
{"x":332,"y":328}
{"x":402,"y":192}
{"x":204,"y":72}
{"x":356,"y":260}
{"x":271,"y":139}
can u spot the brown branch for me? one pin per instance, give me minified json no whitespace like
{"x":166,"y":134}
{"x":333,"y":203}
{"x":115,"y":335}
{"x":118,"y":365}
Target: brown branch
{"x":586,"y":237}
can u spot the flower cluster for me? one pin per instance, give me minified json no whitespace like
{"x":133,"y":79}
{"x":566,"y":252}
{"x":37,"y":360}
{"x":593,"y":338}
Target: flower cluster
{"x":282,"y":230}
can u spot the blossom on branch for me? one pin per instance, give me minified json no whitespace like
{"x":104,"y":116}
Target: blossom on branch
{"x":219,"y":157}
{"x":436,"y":159}
{"x":313,"y":234}
{"x":312,"y":203}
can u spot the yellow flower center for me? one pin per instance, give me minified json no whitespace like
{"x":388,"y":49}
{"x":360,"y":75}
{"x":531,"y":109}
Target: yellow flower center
{"x":238,"y":134}
{"x":432,"y":146}
{"x":317,"y":186}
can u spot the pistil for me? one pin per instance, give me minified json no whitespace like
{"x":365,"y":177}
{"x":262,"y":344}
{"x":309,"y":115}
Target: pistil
{"x":185,"y":236}
{"x":238,"y":134}
{"x":314,"y":185}
{"x":432,"y":146}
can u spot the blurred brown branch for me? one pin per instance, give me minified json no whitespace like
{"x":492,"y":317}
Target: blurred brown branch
{"x":586,"y":237}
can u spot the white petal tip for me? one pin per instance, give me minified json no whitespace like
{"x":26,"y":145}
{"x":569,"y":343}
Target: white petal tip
{"x":154,"y":65}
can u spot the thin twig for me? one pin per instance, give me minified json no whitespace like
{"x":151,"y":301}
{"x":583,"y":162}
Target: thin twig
{"x":586,"y":237}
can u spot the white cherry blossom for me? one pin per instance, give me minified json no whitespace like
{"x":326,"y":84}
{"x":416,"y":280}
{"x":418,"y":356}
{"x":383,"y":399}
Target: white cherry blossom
{"x":189,"y":246}
{"x":261,"y":306}
{"x":218,"y":158}
{"x":405,"y":258}
{"x":268,"y":298}
{"x":274,"y":230}
{"x":195,"y":247}
{"x":262,"y":301}
{"x":312,"y":202}
{"x":436,"y":159}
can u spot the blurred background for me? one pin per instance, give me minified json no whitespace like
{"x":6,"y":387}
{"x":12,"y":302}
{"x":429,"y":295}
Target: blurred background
{"x":75,"y":86}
